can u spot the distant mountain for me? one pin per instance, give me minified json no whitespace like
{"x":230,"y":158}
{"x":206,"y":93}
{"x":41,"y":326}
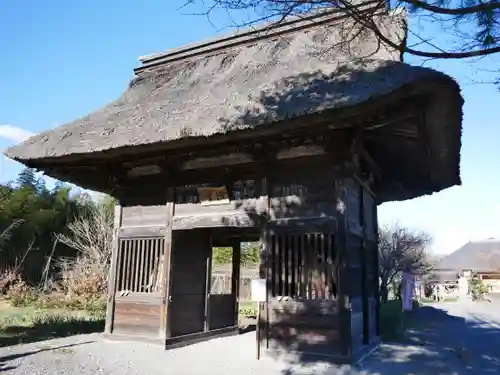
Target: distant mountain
{"x":478,"y":255}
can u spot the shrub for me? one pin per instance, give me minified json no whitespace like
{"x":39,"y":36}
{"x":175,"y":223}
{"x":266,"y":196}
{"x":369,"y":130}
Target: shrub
{"x":21,"y":294}
{"x":478,"y":288}
{"x":248,"y":311}
{"x":84,"y":279}
{"x":8,"y":278}
{"x":428,"y":291}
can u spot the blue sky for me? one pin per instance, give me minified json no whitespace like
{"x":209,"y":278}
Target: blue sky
{"x":61,"y":60}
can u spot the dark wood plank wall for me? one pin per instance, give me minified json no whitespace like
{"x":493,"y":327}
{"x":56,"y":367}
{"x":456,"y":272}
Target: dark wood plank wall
{"x":303,"y":193}
{"x":221,"y":311}
{"x":137,"y":315}
{"x":191,"y":253}
{"x":310,"y":326}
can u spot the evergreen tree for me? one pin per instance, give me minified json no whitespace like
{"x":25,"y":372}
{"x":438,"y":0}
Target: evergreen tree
{"x":27,"y":178}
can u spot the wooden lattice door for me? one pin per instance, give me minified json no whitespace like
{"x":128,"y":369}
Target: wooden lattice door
{"x":301,"y":313}
{"x":138,"y":286}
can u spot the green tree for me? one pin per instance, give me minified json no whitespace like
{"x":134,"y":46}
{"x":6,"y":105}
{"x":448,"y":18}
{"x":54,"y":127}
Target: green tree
{"x":249,"y":254}
{"x":42,"y":212}
{"x":27,"y":178}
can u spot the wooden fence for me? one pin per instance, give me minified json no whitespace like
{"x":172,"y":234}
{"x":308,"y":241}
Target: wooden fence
{"x":221,"y":281}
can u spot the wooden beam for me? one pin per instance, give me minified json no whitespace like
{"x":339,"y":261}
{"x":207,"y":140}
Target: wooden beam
{"x":364,"y":270}
{"x":264,"y":266}
{"x":377,"y":270}
{"x":235,"y":279}
{"x":343,"y":289}
{"x":208,"y":282}
{"x":223,"y":219}
{"x":113,"y":270}
{"x":167,"y":269}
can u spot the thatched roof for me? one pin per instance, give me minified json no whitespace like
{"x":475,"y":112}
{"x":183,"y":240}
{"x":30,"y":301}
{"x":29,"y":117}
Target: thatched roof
{"x":215,"y":92}
{"x":477,"y":255}
{"x":254,"y":81}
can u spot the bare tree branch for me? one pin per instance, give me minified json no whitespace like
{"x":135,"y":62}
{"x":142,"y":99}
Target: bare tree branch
{"x":400,"y":249}
{"x":91,"y":235}
{"x":457,"y":21}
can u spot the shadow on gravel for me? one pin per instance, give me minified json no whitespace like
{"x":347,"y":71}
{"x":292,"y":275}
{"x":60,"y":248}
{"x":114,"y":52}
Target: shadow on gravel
{"x":6,"y":366}
{"x":247,"y":328}
{"x":440,"y":344}
{"x":48,"y":328}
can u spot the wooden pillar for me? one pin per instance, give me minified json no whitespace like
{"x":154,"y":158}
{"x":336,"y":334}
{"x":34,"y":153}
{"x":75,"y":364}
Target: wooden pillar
{"x":377,"y":270}
{"x":263,"y":318}
{"x":344,"y":301}
{"x":208,"y":280}
{"x":235,"y":281}
{"x":364,"y":270}
{"x":108,"y":328}
{"x":167,"y":260}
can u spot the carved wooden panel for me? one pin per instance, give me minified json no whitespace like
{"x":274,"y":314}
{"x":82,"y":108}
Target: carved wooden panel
{"x":213,"y":195}
{"x":236,"y":190}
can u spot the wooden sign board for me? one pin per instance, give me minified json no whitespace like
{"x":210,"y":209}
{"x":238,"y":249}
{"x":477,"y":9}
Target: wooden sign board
{"x":213,"y":195}
{"x":259,"y":290}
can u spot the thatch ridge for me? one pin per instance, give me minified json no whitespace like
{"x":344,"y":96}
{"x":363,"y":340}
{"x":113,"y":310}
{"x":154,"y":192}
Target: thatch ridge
{"x":253,"y":33}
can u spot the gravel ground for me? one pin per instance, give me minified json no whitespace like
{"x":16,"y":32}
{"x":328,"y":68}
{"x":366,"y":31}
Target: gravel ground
{"x":90,"y":354}
{"x":466,"y":343}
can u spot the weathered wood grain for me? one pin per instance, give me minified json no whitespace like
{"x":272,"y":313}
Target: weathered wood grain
{"x":136,"y":318}
{"x":113,"y":270}
{"x":134,"y":216}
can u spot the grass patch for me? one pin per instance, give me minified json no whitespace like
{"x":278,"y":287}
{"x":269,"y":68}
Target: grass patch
{"x":445,"y":299}
{"x":427,"y":300}
{"x":29,"y":324}
{"x":247,"y":308}
{"x":393,"y":321}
